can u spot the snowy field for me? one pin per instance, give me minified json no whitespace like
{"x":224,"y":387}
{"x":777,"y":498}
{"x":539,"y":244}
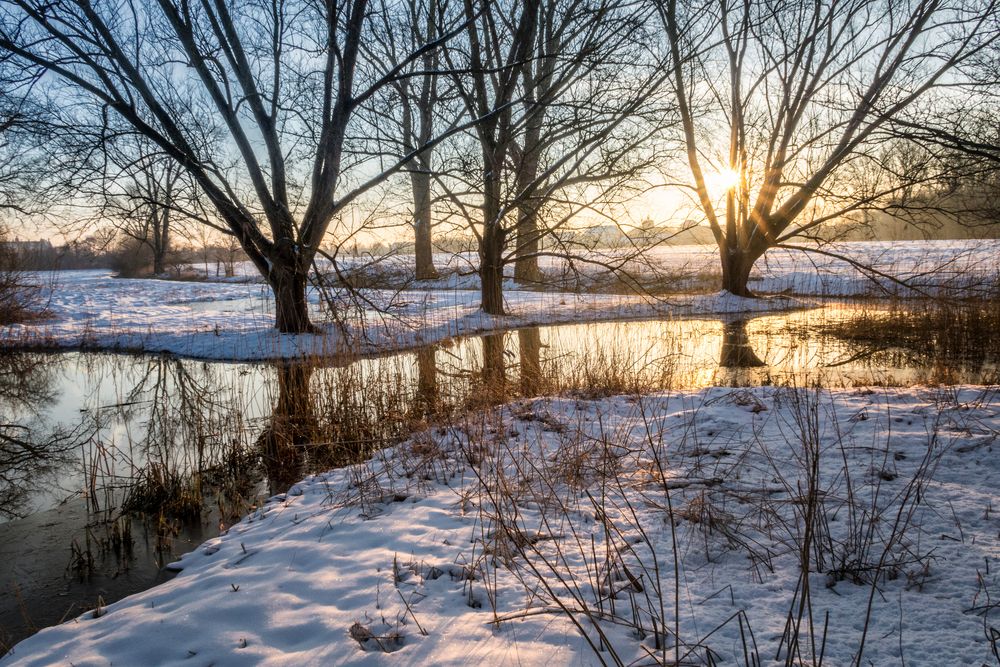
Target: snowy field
{"x":234,"y":319}
{"x":862,"y":268}
{"x":524,"y":535}
{"x":926,"y":267}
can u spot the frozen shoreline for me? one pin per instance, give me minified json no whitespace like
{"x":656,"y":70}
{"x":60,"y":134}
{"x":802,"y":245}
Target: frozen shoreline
{"x":417,"y":547}
{"x":92,"y":310}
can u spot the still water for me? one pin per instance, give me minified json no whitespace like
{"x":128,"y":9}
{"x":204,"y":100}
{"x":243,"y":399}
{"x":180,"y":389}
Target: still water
{"x":111,"y":466}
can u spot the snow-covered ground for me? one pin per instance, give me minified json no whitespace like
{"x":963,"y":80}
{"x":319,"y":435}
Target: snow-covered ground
{"x":835,"y":269}
{"x":622,"y":530}
{"x":234,"y":319}
{"x":525,"y":535}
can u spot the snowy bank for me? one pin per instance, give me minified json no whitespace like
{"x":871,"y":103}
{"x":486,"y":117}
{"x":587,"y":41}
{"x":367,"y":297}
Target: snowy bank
{"x":839,"y":269}
{"x":235,"y":321}
{"x":571,"y":531}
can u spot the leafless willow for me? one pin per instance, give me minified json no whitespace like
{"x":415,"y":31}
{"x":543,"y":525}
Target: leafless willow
{"x":561,"y":86}
{"x":783,"y":103}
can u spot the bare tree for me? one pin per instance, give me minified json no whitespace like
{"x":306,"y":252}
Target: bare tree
{"x":141,"y":201}
{"x":10,"y":182}
{"x":411,"y":107}
{"x":782,"y":103}
{"x":967,"y":122}
{"x":122,"y":178}
{"x":23,"y":132}
{"x":158,"y":188}
{"x":284,"y":78}
{"x":22,"y":191}
{"x":965,"y":129}
{"x":546,"y":75}
{"x":226,"y":253}
{"x":492,"y":92}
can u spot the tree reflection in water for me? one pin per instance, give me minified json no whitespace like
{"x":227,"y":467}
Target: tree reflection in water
{"x":327,"y":417}
{"x":30,"y":451}
{"x":529,"y":347}
{"x":292,"y":426}
{"x":194,"y":427}
{"x":427,"y":402}
{"x":736,"y":350}
{"x":494,"y":372}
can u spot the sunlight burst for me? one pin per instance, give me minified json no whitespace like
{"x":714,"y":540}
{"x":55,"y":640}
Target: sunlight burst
{"x":722,"y":179}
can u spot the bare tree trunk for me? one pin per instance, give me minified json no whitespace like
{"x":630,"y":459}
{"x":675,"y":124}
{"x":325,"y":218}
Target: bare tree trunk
{"x":161,"y":240}
{"x":492,"y":242}
{"x":526,"y":266}
{"x":526,"y":263}
{"x":525,"y":252}
{"x":491,"y":245}
{"x":418,"y":129}
{"x":491,"y":269}
{"x":736,"y":266}
{"x":158,"y":263}
{"x":288,"y":282}
{"x":420,"y":181}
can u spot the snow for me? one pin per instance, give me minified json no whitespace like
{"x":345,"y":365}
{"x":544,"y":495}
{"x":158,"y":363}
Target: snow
{"x":540,"y":531}
{"x":420,"y":548}
{"x":936,"y":267}
{"x":233,"y":320}
{"x":928,"y":267}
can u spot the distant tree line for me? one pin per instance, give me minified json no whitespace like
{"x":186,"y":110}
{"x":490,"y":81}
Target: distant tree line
{"x":124,"y":255}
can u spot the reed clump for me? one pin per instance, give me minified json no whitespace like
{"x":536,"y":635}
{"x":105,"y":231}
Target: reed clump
{"x":952,"y":334}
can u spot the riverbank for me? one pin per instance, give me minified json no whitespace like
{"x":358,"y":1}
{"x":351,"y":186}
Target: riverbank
{"x":92,"y":310}
{"x":606,"y":530}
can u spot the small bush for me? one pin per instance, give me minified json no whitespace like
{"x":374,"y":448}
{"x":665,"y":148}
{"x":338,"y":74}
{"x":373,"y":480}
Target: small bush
{"x":18,"y":295}
{"x":133,"y":259}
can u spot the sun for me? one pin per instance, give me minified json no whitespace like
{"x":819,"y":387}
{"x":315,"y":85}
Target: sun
{"x":722,"y":179}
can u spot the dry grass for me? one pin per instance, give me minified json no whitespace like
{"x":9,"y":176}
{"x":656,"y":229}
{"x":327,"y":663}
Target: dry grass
{"x":576,"y":523}
{"x":953,"y":340}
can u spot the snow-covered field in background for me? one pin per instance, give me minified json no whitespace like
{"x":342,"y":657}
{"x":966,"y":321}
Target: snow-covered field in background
{"x":445,"y":548}
{"x":234,"y":319}
{"x":926,"y":266}
{"x":933,"y":267}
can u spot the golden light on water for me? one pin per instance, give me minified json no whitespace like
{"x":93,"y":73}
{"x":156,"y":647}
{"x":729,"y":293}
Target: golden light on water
{"x":676,"y":354}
